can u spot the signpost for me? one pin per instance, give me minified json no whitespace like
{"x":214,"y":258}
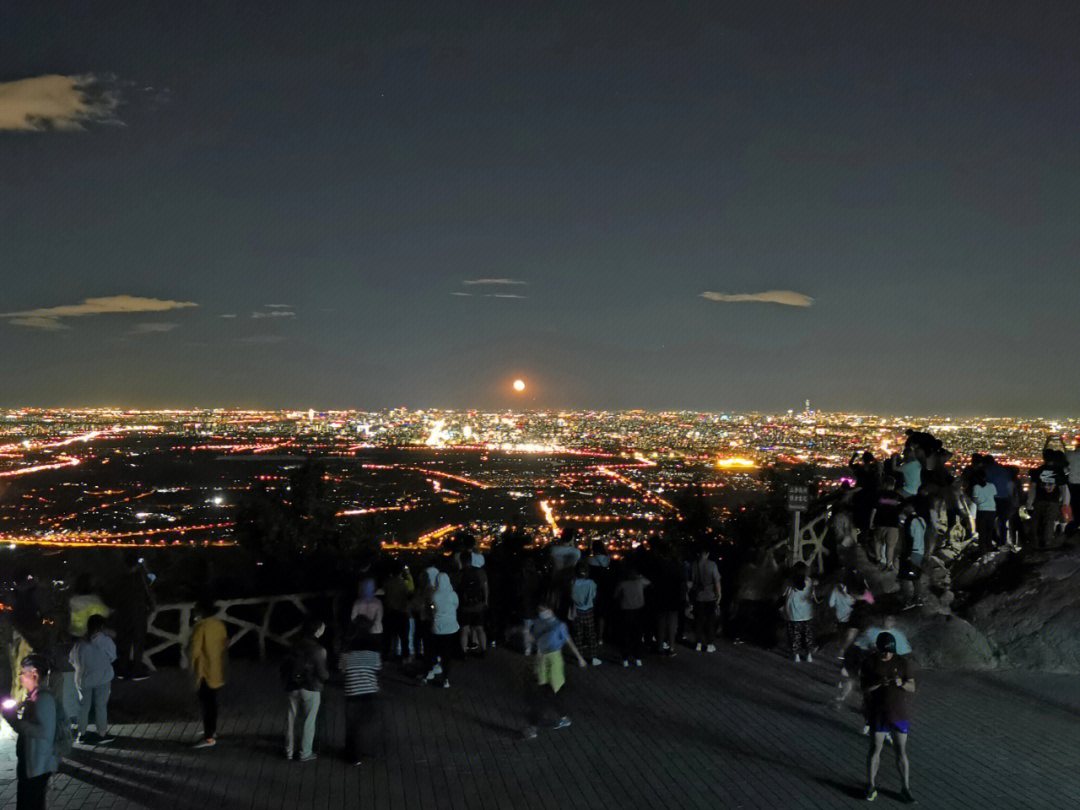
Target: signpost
{"x":798,"y":501}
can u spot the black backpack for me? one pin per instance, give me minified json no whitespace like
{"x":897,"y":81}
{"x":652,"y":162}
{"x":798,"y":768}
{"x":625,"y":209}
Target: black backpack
{"x":472,"y":588}
{"x":295,"y":669}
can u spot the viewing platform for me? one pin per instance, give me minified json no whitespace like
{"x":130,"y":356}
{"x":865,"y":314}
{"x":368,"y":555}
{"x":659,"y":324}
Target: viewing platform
{"x":742,"y":728}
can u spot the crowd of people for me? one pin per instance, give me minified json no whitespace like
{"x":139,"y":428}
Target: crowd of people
{"x":566,"y":597}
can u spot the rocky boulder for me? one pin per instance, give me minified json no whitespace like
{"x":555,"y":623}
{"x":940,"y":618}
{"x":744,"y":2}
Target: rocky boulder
{"x":1036,"y":620}
{"x":941,"y":641}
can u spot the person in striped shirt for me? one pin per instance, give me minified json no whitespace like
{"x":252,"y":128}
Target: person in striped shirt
{"x":359,"y":666}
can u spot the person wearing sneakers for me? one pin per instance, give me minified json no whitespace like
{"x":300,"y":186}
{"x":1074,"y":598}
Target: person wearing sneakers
{"x":629,"y":595}
{"x":93,"y":657}
{"x":444,"y":629}
{"x":705,"y":592}
{"x":550,"y":636}
{"x":887,"y":680}
{"x":799,"y":612}
{"x":583,"y":599}
{"x":307,"y":673}
{"x":208,"y":642}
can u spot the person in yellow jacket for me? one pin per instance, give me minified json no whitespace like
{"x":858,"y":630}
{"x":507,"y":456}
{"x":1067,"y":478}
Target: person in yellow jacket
{"x":209,"y":640}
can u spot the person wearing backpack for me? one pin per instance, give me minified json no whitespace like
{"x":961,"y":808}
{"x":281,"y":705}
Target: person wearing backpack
{"x":307,"y":675}
{"x":36,"y":721}
{"x":474,"y":595}
{"x":93,"y":659}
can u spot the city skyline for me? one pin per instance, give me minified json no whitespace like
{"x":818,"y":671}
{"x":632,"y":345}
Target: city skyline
{"x":686,"y":209}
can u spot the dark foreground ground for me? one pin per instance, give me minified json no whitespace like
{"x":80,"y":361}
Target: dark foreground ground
{"x":741,"y":728}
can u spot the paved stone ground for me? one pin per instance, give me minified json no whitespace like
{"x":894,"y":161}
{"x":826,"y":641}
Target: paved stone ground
{"x":741,"y":728}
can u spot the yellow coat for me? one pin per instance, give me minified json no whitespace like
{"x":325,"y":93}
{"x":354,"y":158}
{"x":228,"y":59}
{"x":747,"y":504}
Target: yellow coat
{"x":208,"y":642}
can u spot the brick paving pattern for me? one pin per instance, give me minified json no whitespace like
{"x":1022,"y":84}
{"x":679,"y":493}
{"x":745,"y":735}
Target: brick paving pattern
{"x":742,"y":728}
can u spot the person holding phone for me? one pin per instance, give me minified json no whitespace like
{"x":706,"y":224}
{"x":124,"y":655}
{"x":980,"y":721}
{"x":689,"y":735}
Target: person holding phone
{"x":887,"y":680}
{"x":34,"y":720}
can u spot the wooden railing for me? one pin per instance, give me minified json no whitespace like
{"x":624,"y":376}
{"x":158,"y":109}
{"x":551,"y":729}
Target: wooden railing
{"x":263,"y":627}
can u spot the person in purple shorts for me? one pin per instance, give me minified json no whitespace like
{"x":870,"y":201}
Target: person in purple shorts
{"x":886,"y":683}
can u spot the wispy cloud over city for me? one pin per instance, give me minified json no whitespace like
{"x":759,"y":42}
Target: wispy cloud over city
{"x":155,"y":327}
{"x":52,"y":317}
{"x":56,"y":102}
{"x":274,"y":313}
{"x":508,"y":281}
{"x":787,"y":298}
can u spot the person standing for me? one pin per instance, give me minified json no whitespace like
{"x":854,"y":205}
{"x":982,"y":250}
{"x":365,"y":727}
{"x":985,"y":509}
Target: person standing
{"x":885,"y":523}
{"x":93,"y":658}
{"x":583,"y":601}
{"x":475,"y":596}
{"x":359,"y":666}
{"x":799,"y":613}
{"x":887,"y":680}
{"x":35,"y":722}
{"x":307,"y":675}
{"x":705,"y":592}
{"x":209,"y":640}
{"x":984,"y":494}
{"x":135,"y":603}
{"x":370,"y":605}
{"x":1045,"y":497}
{"x":629,"y":596}
{"x":550,"y":636}
{"x":1072,"y":459}
{"x":444,"y":628}
{"x":398,"y":591}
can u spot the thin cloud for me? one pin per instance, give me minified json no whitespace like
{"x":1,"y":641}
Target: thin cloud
{"x":278,"y":306}
{"x":50,"y":317}
{"x":276,"y":313}
{"x":56,"y":102}
{"x":504,"y":295}
{"x":787,"y":298}
{"x":493,"y":281}
{"x":463,"y":295}
{"x":39,"y":323}
{"x":154,"y":327}
{"x":228,"y":315}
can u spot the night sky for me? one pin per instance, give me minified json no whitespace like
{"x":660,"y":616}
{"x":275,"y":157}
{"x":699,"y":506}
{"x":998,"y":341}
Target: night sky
{"x":346,"y":205}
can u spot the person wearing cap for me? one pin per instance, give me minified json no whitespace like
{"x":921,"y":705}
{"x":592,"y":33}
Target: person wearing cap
{"x":886,"y":683}
{"x":34,"y":720}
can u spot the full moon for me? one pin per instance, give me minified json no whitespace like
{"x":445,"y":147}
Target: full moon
{"x":519,"y":385}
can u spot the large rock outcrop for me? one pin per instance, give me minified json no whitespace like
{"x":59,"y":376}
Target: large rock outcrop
{"x":941,"y":641}
{"x":1036,"y":622}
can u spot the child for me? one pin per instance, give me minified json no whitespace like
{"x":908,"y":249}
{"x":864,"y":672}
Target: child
{"x":550,"y":636}
{"x":93,"y":657}
{"x":583,"y":598}
{"x":360,"y":666}
{"x":799,"y":612}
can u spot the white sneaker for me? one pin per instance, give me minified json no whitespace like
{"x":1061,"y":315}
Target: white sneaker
{"x":446,"y":684}
{"x":437,"y":669}
{"x":596,"y":662}
{"x":698,"y":648}
{"x":665,"y":646}
{"x":809,"y":658}
{"x":625,"y":663}
{"x":711,"y":648}
{"x":798,"y":660}
{"x":637,"y":662}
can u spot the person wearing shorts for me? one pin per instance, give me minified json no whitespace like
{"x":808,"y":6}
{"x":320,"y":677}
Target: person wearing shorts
{"x":887,"y":681}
